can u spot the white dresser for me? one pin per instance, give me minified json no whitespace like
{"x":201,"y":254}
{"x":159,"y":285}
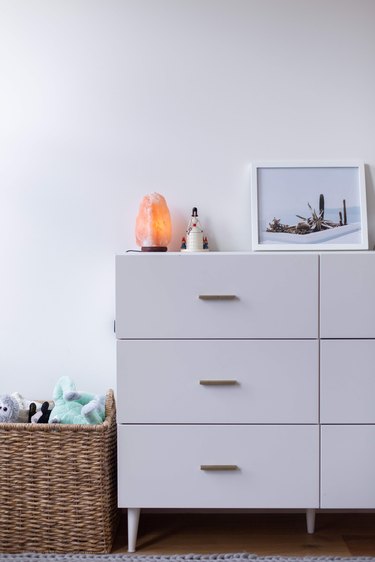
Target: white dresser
{"x":245,"y":381}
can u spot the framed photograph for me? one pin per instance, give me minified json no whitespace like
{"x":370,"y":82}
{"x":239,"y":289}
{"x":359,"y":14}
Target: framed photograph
{"x":309,"y":206}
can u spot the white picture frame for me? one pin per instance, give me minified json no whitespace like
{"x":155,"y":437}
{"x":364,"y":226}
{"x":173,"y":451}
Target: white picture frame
{"x":283,"y":190}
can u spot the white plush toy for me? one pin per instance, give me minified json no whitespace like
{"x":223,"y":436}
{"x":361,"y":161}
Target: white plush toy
{"x":9,"y":409}
{"x":24,"y":406}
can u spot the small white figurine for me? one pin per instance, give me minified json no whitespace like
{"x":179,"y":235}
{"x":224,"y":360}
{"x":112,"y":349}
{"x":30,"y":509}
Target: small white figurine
{"x":194,"y":241}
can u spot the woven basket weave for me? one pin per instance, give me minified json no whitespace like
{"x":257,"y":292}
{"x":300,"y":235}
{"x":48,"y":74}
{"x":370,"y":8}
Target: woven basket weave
{"x":58,"y":486}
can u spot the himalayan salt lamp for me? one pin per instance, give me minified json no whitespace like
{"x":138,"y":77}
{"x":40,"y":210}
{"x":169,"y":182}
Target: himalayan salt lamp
{"x":153,"y":228}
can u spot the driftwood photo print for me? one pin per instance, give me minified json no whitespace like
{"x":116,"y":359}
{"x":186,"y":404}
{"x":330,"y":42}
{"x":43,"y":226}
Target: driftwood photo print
{"x":309,"y":206}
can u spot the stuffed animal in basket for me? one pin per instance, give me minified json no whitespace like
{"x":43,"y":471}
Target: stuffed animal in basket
{"x":41,"y":416}
{"x":9,"y":409}
{"x":27,"y":407}
{"x":76,"y":407}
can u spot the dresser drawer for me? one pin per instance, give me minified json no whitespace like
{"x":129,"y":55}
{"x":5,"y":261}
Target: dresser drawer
{"x":347,"y":381}
{"x":348,"y":466}
{"x":169,"y":466}
{"x":217,"y":381}
{"x":216,"y":296}
{"x":347,"y":303}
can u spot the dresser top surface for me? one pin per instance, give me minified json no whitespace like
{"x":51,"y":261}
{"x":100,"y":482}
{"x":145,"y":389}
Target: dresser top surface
{"x":137,"y":253}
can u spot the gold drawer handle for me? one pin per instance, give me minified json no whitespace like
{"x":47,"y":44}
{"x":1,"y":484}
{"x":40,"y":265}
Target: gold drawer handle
{"x":218,"y":467}
{"x":218,"y":382}
{"x":217,"y":297}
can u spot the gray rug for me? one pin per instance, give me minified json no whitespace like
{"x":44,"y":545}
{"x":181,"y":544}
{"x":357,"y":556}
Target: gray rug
{"x":240,"y":557}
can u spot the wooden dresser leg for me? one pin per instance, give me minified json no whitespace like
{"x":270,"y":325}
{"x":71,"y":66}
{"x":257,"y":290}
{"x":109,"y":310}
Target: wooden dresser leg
{"x":310,"y":520}
{"x":133,"y":520}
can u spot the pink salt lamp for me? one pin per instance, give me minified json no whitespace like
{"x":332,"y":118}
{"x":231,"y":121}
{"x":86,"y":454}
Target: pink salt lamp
{"x":153,"y":228}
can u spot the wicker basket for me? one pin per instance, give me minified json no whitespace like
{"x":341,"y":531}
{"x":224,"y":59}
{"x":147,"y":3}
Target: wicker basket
{"x":58,"y":486}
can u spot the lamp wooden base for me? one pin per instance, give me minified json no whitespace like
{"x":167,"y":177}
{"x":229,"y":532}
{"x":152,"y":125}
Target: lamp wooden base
{"x":154,"y":248}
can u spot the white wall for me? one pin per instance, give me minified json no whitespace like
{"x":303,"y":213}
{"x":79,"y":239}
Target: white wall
{"x":102,"y":101}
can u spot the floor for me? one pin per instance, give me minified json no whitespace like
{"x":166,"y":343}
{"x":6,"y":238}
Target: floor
{"x":338,"y":534}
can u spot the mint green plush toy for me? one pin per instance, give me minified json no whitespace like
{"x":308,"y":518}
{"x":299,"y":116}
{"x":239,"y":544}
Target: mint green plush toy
{"x":72,"y":406}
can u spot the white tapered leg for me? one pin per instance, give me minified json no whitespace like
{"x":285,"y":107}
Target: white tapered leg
{"x":310,"y":520}
{"x":133,"y":520}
